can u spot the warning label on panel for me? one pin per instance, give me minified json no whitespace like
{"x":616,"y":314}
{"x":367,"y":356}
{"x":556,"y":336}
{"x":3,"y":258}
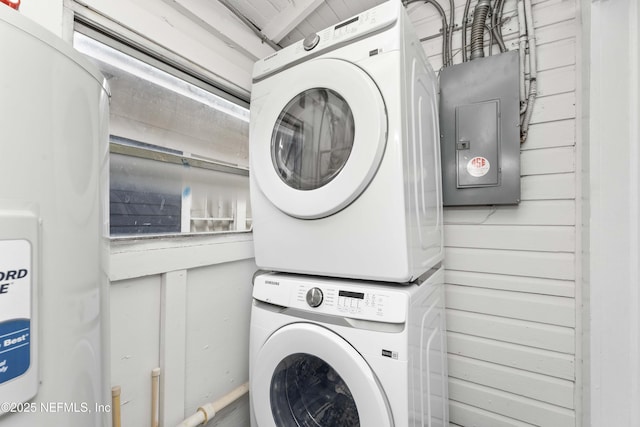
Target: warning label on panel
{"x":15,"y":308}
{"x":478,"y":166}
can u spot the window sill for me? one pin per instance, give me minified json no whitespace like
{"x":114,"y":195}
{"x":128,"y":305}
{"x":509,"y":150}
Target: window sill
{"x":139,"y":256}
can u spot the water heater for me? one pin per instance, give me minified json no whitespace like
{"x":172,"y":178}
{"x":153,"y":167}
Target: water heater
{"x":53,"y":303}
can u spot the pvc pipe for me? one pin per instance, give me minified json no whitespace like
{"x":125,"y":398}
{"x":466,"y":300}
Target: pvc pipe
{"x":155,"y":396}
{"x":207,"y":411}
{"x":115,"y":406}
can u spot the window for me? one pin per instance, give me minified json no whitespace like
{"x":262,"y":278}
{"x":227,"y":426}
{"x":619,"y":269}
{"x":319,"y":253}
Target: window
{"x":179,"y":148}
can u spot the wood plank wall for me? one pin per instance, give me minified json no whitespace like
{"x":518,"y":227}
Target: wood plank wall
{"x":511,"y":271}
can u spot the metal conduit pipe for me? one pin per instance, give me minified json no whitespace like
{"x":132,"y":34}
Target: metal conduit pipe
{"x":452,"y":24}
{"x":522,"y":51}
{"x":465,"y":17}
{"x":477,"y":28}
{"x":500,"y":21}
{"x":490,"y":39}
{"x":531,"y":40}
{"x":445,"y":36}
{"x":445,"y":54}
{"x":250,"y":24}
{"x":533,"y":72}
{"x":495,"y":27}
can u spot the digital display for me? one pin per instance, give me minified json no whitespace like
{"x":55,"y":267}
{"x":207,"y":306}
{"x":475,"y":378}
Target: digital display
{"x":350,"y":294}
{"x":345,"y":23}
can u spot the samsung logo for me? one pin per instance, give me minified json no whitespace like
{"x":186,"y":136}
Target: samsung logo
{"x":272,"y":282}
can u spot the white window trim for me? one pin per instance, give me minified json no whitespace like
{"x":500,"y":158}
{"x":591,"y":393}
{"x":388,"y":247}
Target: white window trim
{"x":91,"y":23}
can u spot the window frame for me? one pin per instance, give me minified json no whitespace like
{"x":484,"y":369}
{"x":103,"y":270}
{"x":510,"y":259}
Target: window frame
{"x":147,"y":53}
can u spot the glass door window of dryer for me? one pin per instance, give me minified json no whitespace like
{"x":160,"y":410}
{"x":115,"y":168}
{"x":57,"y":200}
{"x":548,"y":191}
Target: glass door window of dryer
{"x":312,"y":139}
{"x":318,"y":135}
{"x":307,"y":392}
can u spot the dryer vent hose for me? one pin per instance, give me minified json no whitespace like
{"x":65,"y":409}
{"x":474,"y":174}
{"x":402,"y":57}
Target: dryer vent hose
{"x":477,"y":28}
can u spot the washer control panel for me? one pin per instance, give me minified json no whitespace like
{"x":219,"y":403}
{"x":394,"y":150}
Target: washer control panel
{"x":334,"y":297}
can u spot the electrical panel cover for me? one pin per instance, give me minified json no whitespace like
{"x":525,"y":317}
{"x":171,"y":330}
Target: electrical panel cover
{"x":480,"y":131}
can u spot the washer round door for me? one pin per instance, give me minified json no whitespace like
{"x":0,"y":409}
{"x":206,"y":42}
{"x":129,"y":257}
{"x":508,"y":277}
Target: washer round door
{"x":306,"y":375}
{"x":319,"y":138}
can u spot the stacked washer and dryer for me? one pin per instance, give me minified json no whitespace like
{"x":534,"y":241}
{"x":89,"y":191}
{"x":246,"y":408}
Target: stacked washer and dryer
{"x":347,"y":322}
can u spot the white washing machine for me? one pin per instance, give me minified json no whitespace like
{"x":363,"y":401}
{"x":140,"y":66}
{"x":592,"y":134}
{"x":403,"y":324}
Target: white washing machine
{"x":345,"y":158}
{"x":345,"y":353}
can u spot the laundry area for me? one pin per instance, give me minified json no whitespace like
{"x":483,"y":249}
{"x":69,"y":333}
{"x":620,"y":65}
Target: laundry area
{"x":320,"y":213}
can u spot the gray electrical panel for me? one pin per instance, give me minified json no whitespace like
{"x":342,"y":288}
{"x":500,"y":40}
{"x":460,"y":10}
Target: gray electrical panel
{"x":480,"y":131}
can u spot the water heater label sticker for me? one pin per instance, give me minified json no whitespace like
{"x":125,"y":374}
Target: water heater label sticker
{"x":15,"y":308}
{"x":478,"y":166}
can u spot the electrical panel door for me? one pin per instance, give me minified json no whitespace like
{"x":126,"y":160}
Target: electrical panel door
{"x":477,"y":145}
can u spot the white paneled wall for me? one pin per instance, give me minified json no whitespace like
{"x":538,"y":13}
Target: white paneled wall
{"x":183,"y":305}
{"x":511,"y":270}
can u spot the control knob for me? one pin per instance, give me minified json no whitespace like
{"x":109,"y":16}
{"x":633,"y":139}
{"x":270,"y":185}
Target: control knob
{"x":311,"y":41}
{"x":314,"y":297}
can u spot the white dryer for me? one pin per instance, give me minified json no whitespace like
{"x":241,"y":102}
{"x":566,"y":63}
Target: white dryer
{"x":345,"y":158}
{"x":345,"y":353}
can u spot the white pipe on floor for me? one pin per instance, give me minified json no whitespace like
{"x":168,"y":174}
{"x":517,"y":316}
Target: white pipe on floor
{"x":207,"y":411}
{"x":155,"y":396}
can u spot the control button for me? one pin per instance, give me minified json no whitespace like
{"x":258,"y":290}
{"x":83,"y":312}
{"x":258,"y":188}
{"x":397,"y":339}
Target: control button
{"x":311,"y":41}
{"x":314,"y":297}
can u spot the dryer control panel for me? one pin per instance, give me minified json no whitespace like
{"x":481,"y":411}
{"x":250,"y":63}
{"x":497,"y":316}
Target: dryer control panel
{"x":372,"y":20}
{"x":336,"y":297}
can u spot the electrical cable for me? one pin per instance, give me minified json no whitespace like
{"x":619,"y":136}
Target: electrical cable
{"x":491,"y":35}
{"x":445,"y":39}
{"x":465,"y":19}
{"x":495,"y":28}
{"x":533,"y":71}
{"x":452,"y":21}
{"x":499,"y":20}
{"x":522,"y":28}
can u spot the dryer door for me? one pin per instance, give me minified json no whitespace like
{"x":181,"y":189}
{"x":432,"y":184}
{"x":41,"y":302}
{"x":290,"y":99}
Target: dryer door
{"x":306,"y":375}
{"x":318,"y":138}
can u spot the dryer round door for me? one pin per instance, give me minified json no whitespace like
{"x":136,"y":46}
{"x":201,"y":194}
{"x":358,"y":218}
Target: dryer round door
{"x":306,"y":375}
{"x":319,"y":137}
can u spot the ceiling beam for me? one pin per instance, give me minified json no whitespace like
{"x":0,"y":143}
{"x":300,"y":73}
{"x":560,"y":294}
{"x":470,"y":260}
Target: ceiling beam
{"x":219,"y":21}
{"x":285,"y":21}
